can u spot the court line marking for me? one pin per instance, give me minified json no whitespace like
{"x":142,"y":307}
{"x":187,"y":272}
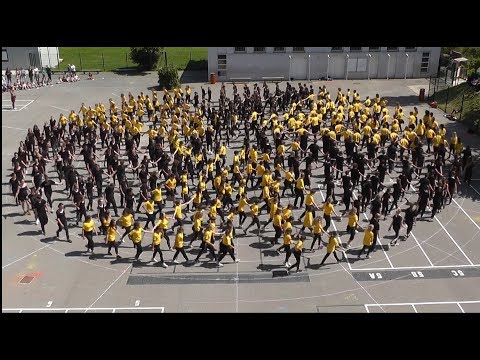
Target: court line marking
{"x":12,"y":127}
{"x":461,"y":309}
{"x":474,"y":188}
{"x":162,"y":308}
{"x":366,"y":308}
{"x":420,"y":267}
{"x":378,"y":235}
{"x":23,"y":257}
{"x":474,"y":223}
{"x":59,"y":108}
{"x":21,"y":108}
{"x":427,"y":303}
{"x":108,"y":288}
{"x":414,"y":309}
{"x":344,"y":253}
{"x":450,"y":236}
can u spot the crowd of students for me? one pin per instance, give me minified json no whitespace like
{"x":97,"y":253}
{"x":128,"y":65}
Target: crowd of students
{"x":287,"y":135}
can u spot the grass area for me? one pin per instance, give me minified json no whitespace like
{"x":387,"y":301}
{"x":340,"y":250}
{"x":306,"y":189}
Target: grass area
{"x":118,"y":57}
{"x":471,"y":103}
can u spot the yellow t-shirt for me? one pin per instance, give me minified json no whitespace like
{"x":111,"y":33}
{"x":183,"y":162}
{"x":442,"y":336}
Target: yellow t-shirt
{"x":136,"y":235}
{"x":156,"y":238}
{"x":179,"y":241}
{"x":149,"y":206}
{"x":352,"y":220}
{"x":368,"y":237}
{"x":88,"y":226}
{"x":328,"y":209}
{"x":111,"y":234}
{"x":332,"y":244}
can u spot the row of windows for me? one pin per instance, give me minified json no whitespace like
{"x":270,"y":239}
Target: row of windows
{"x":333,"y":49}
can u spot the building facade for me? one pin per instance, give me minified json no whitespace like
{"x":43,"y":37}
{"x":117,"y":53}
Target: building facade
{"x":314,"y":63}
{"x":24,"y":57}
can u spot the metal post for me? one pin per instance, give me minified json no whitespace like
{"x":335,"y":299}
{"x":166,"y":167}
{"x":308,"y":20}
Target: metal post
{"x":368,"y":66}
{"x":103,"y":61}
{"x":48,"y":54}
{"x":346,"y":74}
{"x":309,"y":67}
{"x":289,"y":66}
{"x":461,"y":107}
{"x":166,"y":63}
{"x":81,"y":66}
{"x":388,"y":65}
{"x":126,"y":60}
{"x":446,"y":101}
{"x":328,"y":64}
{"x":406,"y":65}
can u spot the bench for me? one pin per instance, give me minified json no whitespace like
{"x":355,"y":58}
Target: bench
{"x":240,"y":79}
{"x":275,"y":79}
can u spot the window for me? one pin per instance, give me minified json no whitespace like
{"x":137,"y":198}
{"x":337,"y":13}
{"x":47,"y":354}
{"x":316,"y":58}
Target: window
{"x":258,"y":49}
{"x":278,"y":49}
{"x":298,"y":49}
{"x":239,"y":49}
{"x":4,"y":55}
{"x":222,"y":65}
{"x":356,"y":49}
{"x":410,"y":49}
{"x":374,"y":48}
{"x":425,"y":62}
{"x":337,"y":49}
{"x":392,"y":48}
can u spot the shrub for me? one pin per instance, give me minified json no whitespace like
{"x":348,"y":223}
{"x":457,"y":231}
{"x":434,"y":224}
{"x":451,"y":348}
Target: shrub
{"x":168,"y":77}
{"x":145,"y":57}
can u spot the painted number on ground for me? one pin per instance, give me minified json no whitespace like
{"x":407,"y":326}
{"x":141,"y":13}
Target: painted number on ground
{"x":49,"y":303}
{"x":417,"y":274}
{"x":375,"y":275}
{"x":457,"y":273}
{"x":137,"y":302}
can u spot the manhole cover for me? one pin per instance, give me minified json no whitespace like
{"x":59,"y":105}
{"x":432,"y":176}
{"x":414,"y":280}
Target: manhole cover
{"x":27,"y":279}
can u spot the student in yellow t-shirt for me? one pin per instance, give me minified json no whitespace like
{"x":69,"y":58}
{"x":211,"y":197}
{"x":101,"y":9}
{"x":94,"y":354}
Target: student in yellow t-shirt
{"x":287,"y":240}
{"x":226,"y":246}
{"x":136,"y":236}
{"x":112,"y":233}
{"x":156,"y":240}
{"x":333,"y":244}
{"x":179,"y":246}
{"x":317,"y":233}
{"x":352,"y":225}
{"x":328,"y":209}
{"x":87,"y":232}
{"x":367,"y":241}
{"x":297,"y":253}
{"x":208,"y":235}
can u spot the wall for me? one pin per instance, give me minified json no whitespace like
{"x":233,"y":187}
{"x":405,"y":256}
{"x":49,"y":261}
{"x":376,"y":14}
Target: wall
{"x":269,"y":64}
{"x":48,"y":56}
{"x":18,"y":57}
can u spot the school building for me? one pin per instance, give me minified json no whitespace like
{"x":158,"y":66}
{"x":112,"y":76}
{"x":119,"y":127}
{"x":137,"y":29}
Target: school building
{"x":24,"y":57}
{"x":314,"y":63}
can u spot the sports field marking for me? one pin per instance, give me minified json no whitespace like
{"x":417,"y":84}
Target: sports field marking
{"x":344,"y":254}
{"x":23,"y":257}
{"x":7,"y":104}
{"x":461,"y":309}
{"x":425,"y":303}
{"x":414,"y":308}
{"x":420,"y":267}
{"x":113,"y":310}
{"x":14,"y":128}
{"x":108,"y":288}
{"x":59,"y":108}
{"x":474,"y":223}
{"x":475,"y":189}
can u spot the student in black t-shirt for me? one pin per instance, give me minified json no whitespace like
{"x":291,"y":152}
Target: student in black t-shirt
{"x":62,"y":221}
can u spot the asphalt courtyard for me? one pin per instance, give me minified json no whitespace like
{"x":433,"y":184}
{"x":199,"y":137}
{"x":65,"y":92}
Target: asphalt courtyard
{"x":436,"y":270}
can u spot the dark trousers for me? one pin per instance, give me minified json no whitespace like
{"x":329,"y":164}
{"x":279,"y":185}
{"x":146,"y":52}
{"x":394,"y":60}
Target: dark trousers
{"x":315,"y":238}
{"x":90,"y":244}
{"x":150,"y":219}
{"x":328,"y":254}
{"x":297,"y":255}
{"x":224,"y":249}
{"x":182,"y":251}
{"x":299,"y":195}
{"x":113,"y":203}
{"x":156,"y":249}
{"x":366,"y":247}
{"x":139,"y":249}
{"x":114,"y":245}
{"x":328,"y":221}
{"x":61,"y":227}
{"x":204,"y":247}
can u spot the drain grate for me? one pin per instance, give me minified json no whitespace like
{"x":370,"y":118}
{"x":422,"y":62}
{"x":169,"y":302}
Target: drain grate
{"x":27,"y":279}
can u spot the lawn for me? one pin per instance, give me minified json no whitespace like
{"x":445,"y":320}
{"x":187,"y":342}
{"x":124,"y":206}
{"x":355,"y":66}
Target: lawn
{"x":471,"y":102}
{"x":112,"y":58}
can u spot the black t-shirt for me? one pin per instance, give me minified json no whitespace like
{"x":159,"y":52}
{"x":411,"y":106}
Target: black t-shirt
{"x":14,"y":185}
{"x":47,"y":186}
{"x":61,"y":216}
{"x":109,"y":191}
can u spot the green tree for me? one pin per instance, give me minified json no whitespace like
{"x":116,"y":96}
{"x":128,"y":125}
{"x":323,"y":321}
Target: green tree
{"x":145,"y":57}
{"x":168,"y":77}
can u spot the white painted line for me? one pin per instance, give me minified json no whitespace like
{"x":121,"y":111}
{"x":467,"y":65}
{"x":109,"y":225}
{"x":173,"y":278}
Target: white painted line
{"x":20,"y":311}
{"x":59,"y":108}
{"x":419,"y":267}
{"x":113,"y":311}
{"x":420,"y":246}
{"x":474,"y":223}
{"x":108,"y":288}
{"x":335,"y":227}
{"x":49,"y":304}
{"x":162,"y":308}
{"x":66,"y":311}
{"x":475,"y":189}
{"x":378,"y":236}
{"x":23,"y":257}
{"x":460,"y":306}
{"x":115,"y":95}
{"x":14,"y":128}
{"x":414,"y":309}
{"x":366,"y":308}
{"x":450,"y":236}
{"x":428,"y":303}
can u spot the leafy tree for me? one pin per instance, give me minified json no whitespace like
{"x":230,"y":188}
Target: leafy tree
{"x":145,"y":57}
{"x":168,"y":77}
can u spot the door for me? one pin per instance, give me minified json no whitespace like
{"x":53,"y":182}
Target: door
{"x":373,"y":66}
{"x":298,"y":69}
